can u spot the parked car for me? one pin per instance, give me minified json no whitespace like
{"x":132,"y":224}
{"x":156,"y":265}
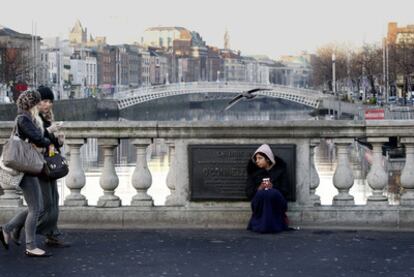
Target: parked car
{"x":392,"y":99}
{"x":380,"y":100}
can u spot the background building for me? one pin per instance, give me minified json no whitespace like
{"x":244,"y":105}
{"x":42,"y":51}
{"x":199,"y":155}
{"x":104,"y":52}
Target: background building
{"x":85,"y":65}
{"x":20,"y":58}
{"x":78,"y":35}
{"x":398,"y":35}
{"x":163,"y":37}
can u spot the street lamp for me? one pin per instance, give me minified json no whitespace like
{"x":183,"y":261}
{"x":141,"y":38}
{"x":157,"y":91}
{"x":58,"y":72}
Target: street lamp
{"x":218,"y":76}
{"x":334,"y":85}
{"x":333,"y":74}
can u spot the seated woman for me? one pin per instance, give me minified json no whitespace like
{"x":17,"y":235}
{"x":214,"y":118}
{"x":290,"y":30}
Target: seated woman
{"x":267,"y":187}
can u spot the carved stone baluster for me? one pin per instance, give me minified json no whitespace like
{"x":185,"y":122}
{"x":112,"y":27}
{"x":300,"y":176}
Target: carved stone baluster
{"x":343,"y":178}
{"x":377,"y":178}
{"x":407,"y":176}
{"x":9,"y":197}
{"x":141,"y":178}
{"x":171,"y":177}
{"x":109,"y":180}
{"x":75,"y":180}
{"x":314,"y":176}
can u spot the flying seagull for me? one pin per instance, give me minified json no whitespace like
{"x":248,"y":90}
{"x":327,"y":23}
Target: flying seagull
{"x":245,"y":94}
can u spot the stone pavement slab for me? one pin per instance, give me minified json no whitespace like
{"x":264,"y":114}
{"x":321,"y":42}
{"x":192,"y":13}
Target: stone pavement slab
{"x":212,"y":252}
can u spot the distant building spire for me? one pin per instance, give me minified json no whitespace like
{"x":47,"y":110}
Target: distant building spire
{"x":226,"y":39}
{"x":78,"y":35}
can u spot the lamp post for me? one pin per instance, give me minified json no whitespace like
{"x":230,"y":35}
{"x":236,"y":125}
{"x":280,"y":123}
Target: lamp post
{"x":385,"y":70}
{"x":218,"y":76}
{"x":334,"y":85}
{"x":333,"y":74}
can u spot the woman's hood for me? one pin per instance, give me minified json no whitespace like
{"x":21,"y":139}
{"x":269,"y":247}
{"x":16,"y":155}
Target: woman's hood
{"x":265,"y":149}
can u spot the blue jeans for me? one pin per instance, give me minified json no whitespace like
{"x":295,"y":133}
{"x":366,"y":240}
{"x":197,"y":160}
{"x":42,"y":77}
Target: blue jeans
{"x":47,"y":224}
{"x":33,"y":197}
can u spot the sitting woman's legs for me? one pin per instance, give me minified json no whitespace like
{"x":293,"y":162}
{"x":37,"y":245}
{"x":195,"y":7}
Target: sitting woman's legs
{"x":269,"y":208}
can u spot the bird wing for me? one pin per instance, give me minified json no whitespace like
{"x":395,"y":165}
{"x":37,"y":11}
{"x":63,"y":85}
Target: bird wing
{"x":246,"y":94}
{"x":233,"y":101}
{"x":257,"y":89}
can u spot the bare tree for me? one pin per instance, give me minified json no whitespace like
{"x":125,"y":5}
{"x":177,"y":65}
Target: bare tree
{"x":370,"y":61}
{"x":355,"y":70}
{"x":322,"y":66}
{"x":402,"y":65}
{"x":14,"y":64}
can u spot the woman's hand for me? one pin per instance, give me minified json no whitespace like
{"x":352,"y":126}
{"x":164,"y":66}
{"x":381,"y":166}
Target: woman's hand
{"x":268,"y":185}
{"x":61,"y":138}
{"x":262,"y":186}
{"x":53,"y":128}
{"x":265,"y":184}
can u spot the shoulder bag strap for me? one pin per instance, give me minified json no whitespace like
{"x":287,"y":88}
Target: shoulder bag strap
{"x":15,"y":128}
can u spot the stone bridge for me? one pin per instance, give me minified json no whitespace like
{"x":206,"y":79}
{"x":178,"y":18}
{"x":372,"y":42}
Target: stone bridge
{"x":181,"y":211}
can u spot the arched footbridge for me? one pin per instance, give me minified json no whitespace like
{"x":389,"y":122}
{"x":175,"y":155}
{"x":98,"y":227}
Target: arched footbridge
{"x":311,"y":98}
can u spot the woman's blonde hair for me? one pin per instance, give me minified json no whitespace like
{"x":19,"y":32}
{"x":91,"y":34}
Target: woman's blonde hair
{"x":34,"y":112}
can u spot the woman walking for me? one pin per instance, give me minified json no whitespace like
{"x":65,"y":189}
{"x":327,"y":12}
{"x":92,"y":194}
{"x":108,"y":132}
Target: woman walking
{"x":30,"y":127}
{"x":48,"y":220}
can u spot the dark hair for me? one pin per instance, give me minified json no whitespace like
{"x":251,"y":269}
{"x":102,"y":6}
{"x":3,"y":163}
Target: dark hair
{"x":252,"y":166}
{"x":265,"y":156}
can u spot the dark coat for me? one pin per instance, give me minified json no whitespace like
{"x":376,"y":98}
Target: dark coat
{"x":277,"y":174}
{"x":26,"y":129}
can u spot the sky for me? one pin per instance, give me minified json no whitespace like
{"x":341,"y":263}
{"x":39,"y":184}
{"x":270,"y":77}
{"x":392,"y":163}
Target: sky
{"x":258,"y":27}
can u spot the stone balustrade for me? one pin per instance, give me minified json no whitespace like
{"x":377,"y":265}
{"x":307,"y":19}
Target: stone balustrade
{"x":180,"y":211}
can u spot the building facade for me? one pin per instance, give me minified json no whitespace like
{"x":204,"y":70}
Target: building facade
{"x":163,"y":37}
{"x":214,"y":64}
{"x":105,"y":67}
{"x":20,"y":57}
{"x":397,"y":35}
{"x":158,"y":68}
{"x":145,"y":61}
{"x":91,"y":72}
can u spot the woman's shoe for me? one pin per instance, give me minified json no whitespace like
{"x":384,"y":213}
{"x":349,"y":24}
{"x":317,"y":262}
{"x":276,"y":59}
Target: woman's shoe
{"x":15,"y":236}
{"x":4,"y":238}
{"x":37,"y":252}
{"x":55,"y":242}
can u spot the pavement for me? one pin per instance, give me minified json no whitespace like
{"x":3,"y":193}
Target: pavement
{"x":219,"y":252}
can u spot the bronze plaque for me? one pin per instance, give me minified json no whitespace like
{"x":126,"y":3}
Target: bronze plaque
{"x":218,"y":172}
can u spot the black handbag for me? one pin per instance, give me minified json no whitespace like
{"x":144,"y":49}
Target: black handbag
{"x":56,"y":167}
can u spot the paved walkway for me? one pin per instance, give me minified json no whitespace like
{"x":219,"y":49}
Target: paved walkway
{"x":220,"y":253}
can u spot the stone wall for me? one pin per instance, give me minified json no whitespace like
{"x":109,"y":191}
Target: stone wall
{"x":180,"y":211}
{"x":87,"y":109}
{"x":8,"y":112}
